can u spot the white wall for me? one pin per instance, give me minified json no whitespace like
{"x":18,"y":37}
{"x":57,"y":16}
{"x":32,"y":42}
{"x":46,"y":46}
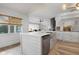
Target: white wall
{"x":12,"y":38}
{"x":44,"y":25}
{"x":46,"y":12}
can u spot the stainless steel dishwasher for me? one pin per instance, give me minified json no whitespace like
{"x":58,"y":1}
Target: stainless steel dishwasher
{"x":45,"y":44}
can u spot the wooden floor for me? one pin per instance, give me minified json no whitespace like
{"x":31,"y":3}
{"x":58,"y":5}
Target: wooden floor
{"x":65,"y":48}
{"x":9,"y":47}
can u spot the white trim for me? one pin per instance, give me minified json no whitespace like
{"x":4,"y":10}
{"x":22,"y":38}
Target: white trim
{"x":8,"y":28}
{"x":14,"y":28}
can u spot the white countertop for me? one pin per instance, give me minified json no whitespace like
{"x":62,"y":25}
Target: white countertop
{"x":35,"y":33}
{"x":42,"y":33}
{"x":61,"y":31}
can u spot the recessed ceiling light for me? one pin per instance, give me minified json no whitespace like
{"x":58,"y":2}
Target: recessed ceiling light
{"x":64,"y":6}
{"x":77,"y":6}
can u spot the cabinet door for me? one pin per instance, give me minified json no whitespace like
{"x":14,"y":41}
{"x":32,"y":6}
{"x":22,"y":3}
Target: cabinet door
{"x":45,"y":44}
{"x":31,"y":45}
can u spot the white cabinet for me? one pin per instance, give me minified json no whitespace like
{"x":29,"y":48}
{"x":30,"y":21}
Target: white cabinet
{"x":31,"y":45}
{"x":68,"y":36}
{"x":68,"y":19}
{"x":53,"y":39}
{"x":35,"y":43}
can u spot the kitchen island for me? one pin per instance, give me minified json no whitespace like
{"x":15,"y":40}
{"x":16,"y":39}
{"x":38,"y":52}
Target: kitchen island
{"x":40,"y":43}
{"x":35,"y":43}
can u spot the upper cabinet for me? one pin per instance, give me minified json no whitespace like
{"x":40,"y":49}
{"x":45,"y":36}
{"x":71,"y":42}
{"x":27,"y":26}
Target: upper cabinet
{"x":68,"y":21}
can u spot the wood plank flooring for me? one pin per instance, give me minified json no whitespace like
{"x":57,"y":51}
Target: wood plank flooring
{"x":9,"y":47}
{"x":65,"y":48}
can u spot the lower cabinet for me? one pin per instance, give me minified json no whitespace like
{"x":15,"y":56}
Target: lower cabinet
{"x":35,"y":45}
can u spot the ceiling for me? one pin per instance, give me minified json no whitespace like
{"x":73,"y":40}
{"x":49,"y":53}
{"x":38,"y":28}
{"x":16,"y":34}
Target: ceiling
{"x":22,"y":7}
{"x":36,"y":9}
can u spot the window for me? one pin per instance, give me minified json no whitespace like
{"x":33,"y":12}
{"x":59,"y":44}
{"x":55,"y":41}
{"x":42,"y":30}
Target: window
{"x":9,"y":24}
{"x":11,"y":28}
{"x":18,"y":28}
{"x":3,"y":28}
